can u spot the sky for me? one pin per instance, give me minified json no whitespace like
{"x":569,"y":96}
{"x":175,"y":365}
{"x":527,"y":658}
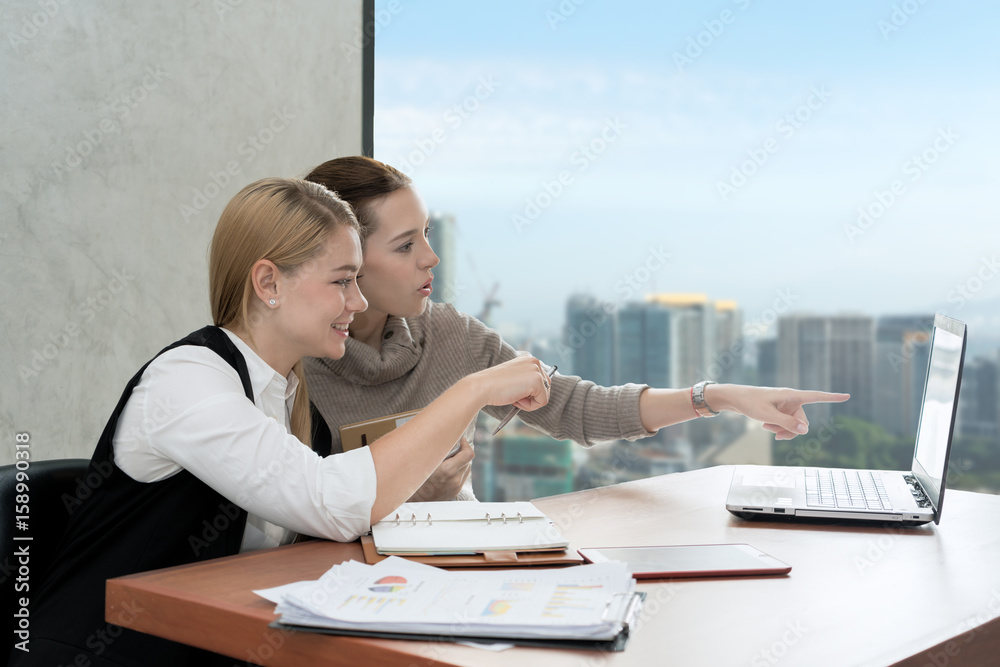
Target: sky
{"x":838,"y":157}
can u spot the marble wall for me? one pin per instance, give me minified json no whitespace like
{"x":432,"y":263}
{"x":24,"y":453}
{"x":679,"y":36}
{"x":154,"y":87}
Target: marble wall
{"x":126,"y":129}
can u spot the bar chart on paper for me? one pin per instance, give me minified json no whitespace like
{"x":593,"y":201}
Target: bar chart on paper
{"x":573,"y":599}
{"x":370,"y":603}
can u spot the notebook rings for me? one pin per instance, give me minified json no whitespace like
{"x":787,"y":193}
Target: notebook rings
{"x":489,"y":520}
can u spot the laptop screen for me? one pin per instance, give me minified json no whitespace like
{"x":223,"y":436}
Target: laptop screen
{"x":937,"y":412}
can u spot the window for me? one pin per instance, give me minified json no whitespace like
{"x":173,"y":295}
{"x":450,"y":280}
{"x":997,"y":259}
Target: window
{"x":755,"y":192}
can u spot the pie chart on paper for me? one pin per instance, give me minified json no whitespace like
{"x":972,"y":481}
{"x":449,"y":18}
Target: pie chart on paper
{"x":390,"y":584}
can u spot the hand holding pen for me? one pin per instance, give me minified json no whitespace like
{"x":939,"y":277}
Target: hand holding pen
{"x":513,"y":412}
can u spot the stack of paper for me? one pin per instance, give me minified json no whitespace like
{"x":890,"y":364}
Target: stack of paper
{"x":590,"y":605}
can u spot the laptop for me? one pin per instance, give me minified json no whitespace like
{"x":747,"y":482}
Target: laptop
{"x":911,"y":498}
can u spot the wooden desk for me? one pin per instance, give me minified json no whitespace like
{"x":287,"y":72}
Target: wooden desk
{"x":855,"y":596}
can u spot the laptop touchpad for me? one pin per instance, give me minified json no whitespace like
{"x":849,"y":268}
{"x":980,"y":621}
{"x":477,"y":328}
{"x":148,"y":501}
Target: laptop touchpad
{"x":776,"y":479}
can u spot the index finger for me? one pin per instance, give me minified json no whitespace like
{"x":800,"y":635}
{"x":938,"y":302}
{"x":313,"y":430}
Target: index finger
{"x":821,"y":397}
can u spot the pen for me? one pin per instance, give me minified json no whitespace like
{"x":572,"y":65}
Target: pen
{"x":510,"y":415}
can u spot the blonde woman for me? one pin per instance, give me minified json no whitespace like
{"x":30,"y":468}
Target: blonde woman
{"x":207,"y":453}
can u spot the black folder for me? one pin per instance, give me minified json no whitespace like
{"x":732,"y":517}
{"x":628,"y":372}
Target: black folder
{"x":616,"y":644}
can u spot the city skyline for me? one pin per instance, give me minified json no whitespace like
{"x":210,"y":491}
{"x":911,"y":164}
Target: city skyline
{"x":854,"y":158}
{"x":677,"y":339}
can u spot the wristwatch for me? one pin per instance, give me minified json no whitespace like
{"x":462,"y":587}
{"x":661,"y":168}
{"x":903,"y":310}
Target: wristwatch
{"x":698,"y":399}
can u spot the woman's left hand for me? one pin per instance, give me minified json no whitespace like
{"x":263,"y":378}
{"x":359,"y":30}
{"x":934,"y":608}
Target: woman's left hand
{"x":780,"y":409}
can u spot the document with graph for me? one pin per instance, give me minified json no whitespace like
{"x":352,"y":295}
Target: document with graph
{"x":591,"y":605}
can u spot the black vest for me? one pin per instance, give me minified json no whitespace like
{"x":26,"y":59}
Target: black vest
{"x":125,"y":527}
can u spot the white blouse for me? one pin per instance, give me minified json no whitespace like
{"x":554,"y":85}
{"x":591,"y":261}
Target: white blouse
{"x":189,"y":411}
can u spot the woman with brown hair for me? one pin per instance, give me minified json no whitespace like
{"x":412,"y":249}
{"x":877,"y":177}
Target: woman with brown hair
{"x":207,"y":453}
{"x":404,"y":350}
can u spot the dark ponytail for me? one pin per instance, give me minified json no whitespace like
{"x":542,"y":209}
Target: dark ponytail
{"x":361,"y":182}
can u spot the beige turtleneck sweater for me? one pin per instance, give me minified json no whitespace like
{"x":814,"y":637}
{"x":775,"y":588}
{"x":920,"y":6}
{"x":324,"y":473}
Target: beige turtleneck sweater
{"x":423,"y":356}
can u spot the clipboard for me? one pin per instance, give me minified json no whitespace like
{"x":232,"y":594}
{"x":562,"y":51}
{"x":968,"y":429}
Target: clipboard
{"x":363,"y":433}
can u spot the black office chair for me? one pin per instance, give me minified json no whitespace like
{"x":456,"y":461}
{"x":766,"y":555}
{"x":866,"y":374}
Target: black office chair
{"x":53,"y":489}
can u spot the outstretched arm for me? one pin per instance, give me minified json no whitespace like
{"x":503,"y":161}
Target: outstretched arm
{"x":779,"y":408}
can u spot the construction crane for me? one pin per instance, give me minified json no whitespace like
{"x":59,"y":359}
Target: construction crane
{"x":489,"y":301}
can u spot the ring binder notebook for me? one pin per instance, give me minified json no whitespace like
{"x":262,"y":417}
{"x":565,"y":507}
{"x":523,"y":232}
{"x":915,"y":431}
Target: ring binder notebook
{"x":465,"y":527}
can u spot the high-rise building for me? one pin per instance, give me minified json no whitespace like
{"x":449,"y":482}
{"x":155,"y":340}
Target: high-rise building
{"x":692,"y":335}
{"x":442,"y":240}
{"x":631,"y":366}
{"x":804,"y":352}
{"x":979,"y":404}
{"x":852,"y":355}
{"x":767,"y":362}
{"x":898,"y":371}
{"x":916,"y":358}
{"x":804,"y":357}
{"x":829,"y":353}
{"x":589,"y":339}
{"x":727,"y":364}
{"x":529,"y":465}
{"x":643,"y":344}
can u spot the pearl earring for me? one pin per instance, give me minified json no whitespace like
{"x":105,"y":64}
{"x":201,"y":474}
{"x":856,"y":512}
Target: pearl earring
{"x":272,"y":302}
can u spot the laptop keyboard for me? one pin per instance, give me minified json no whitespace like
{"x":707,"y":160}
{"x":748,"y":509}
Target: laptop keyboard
{"x":845,"y":489}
